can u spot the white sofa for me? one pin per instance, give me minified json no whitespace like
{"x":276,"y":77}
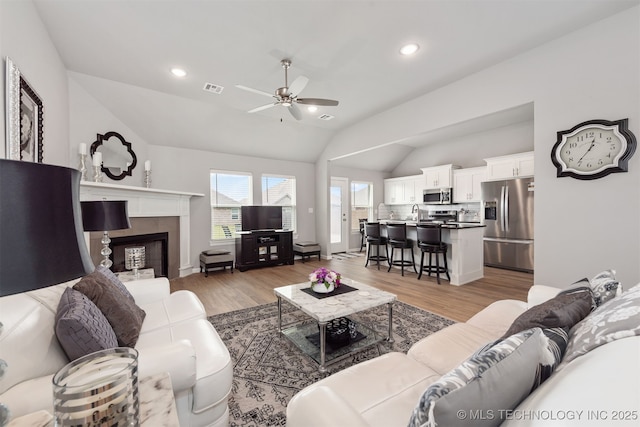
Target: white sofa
{"x":384,"y":391}
{"x":175,"y":338}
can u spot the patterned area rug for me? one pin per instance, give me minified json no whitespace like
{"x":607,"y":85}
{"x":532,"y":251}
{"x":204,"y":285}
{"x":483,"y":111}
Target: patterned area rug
{"x":269,"y":369}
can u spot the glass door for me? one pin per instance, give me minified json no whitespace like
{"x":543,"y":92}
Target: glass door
{"x":339,"y":194}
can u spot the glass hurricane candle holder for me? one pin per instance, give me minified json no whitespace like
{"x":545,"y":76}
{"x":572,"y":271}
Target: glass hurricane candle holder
{"x":99,"y":389}
{"x":134,"y":259}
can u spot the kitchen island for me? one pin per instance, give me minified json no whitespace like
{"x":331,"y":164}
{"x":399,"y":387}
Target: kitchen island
{"x":465,"y":256}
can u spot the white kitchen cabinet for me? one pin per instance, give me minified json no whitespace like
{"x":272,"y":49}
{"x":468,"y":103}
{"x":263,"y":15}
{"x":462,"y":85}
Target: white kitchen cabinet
{"x":403,"y":190}
{"x":511,"y":166}
{"x":418,"y":188}
{"x":467,"y":184}
{"x":393,"y":191}
{"x":438,"y":176}
{"x":408,"y":186}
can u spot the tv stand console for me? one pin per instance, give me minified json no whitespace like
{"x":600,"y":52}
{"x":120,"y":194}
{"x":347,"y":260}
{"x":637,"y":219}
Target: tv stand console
{"x":261,"y":248}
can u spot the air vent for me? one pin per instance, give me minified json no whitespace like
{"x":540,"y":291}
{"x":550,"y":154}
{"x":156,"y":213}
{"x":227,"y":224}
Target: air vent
{"x":210,"y":87}
{"x":325,"y":117}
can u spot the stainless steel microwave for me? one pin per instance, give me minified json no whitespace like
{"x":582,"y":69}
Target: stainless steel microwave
{"x":438,"y":196}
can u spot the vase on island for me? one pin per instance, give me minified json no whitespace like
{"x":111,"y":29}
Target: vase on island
{"x":321,"y":288}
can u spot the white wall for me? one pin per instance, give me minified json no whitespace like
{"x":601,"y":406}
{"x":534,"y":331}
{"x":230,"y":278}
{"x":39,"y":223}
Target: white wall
{"x":188,"y":170}
{"x":24,"y":39}
{"x":582,"y":227}
{"x":470,"y":150}
{"x":87,"y":119}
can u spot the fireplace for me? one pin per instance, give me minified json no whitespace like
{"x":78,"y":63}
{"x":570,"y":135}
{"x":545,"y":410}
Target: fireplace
{"x":151,"y":211}
{"x":156,"y":252}
{"x":159,"y":236}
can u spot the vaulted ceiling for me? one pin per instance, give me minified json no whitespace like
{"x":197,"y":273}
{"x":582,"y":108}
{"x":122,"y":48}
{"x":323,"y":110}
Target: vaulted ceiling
{"x":121,"y":52}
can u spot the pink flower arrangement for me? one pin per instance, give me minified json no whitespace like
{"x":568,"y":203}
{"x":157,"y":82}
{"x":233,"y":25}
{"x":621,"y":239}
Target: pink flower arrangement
{"x":326,"y":276}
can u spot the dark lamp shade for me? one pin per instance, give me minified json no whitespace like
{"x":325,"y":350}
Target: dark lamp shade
{"x":41,"y":238}
{"x":105,"y":215}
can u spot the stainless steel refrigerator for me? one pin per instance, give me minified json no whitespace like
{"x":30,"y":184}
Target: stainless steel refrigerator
{"x":508,"y":215}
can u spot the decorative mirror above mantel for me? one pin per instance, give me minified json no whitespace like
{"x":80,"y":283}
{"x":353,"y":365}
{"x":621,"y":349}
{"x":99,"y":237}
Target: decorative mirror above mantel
{"x":118,"y":158}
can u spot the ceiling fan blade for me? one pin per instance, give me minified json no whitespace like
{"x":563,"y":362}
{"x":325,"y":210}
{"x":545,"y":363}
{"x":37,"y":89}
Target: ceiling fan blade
{"x":295,"y":112}
{"x":298,"y":85}
{"x":264,"y":107}
{"x":317,"y":101}
{"x":259,"y":92}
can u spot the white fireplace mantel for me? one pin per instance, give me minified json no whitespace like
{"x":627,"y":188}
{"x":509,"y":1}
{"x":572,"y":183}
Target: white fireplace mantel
{"x":149,"y":202}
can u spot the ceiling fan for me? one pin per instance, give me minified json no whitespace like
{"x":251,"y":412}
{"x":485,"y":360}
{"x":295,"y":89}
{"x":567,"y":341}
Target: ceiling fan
{"x":288,"y":95}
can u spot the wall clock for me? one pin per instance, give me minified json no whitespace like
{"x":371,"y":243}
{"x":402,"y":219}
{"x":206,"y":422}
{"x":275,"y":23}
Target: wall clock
{"x":593,"y":149}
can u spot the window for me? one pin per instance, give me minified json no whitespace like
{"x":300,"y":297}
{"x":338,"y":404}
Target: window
{"x":281,"y":191}
{"x":361,"y":203}
{"x":229,"y":191}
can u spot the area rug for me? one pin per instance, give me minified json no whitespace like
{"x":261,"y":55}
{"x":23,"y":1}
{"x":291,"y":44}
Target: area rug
{"x":269,"y":370}
{"x":341,"y":256}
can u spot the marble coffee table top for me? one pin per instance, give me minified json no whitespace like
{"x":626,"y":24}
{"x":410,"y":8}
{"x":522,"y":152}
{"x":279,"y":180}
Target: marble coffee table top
{"x":326,"y":309}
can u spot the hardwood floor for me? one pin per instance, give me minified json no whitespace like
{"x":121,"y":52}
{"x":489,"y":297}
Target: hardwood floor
{"x":223,"y":291}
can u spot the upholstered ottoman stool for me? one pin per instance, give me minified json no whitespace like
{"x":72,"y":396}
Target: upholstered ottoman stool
{"x":215,"y":259}
{"x":306,"y":249}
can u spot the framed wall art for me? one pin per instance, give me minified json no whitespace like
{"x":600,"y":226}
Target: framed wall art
{"x":25,"y":115}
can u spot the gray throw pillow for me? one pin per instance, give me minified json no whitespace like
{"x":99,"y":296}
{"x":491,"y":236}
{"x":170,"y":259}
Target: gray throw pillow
{"x":123,"y":314}
{"x":482,"y":389}
{"x":562,"y":311}
{"x":111,"y":277}
{"x":80,"y":326}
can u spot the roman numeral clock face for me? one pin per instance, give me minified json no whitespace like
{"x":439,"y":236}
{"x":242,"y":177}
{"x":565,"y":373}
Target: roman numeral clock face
{"x":593,"y":149}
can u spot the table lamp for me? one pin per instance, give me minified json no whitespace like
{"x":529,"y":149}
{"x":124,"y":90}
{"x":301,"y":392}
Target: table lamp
{"x":41,"y":237}
{"x":105,"y":215}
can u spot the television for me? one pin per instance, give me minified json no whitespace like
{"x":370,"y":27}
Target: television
{"x":261,"y":217}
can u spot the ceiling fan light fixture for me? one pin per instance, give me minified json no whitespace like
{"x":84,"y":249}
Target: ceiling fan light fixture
{"x":178,"y":72}
{"x":409,"y":49}
{"x":287,"y":96}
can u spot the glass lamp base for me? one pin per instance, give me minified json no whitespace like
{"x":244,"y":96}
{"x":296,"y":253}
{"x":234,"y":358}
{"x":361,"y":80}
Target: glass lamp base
{"x":106,"y":251}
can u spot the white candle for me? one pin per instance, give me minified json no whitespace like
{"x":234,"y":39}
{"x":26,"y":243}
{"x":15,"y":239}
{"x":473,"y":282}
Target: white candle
{"x":82,"y":149}
{"x":97,"y":158}
{"x":147,"y":165}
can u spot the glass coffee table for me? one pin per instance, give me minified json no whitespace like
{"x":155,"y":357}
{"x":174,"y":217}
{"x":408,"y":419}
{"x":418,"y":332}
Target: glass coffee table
{"x":347,"y":300}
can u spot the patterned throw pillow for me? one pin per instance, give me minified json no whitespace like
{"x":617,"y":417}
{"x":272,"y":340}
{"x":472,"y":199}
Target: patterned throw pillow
{"x":112,"y":278}
{"x":616,"y":319}
{"x":491,"y":381}
{"x":81,"y":328}
{"x":123,"y":314}
{"x":605,"y":287}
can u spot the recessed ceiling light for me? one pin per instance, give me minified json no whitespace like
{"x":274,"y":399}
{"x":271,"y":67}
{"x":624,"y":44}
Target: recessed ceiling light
{"x":312,"y":108}
{"x":409,"y":49}
{"x":178,"y":72}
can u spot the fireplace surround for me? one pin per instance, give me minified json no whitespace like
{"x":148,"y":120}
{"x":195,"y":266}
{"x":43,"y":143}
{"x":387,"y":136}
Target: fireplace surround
{"x":150,"y":211}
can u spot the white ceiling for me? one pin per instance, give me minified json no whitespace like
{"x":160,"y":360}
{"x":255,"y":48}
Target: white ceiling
{"x":121,"y":52}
